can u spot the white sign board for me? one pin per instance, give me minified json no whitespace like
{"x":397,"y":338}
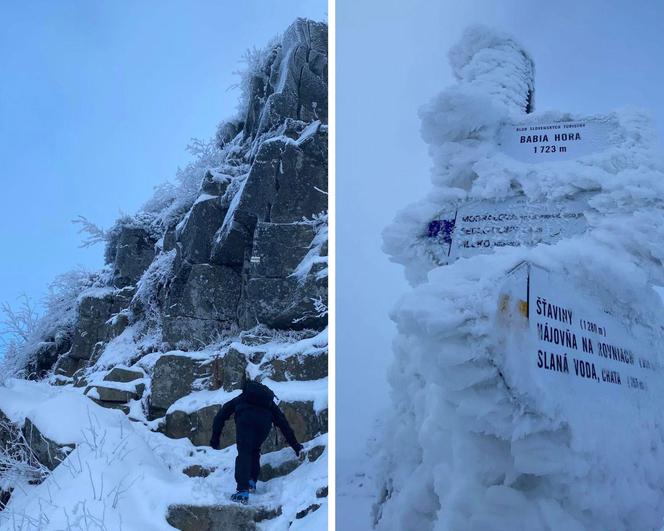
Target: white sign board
{"x":546,"y":142}
{"x":482,"y":226}
{"x":570,"y":348}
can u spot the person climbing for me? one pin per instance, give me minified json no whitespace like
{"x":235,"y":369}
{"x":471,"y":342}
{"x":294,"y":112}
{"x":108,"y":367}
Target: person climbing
{"x":255,"y":412}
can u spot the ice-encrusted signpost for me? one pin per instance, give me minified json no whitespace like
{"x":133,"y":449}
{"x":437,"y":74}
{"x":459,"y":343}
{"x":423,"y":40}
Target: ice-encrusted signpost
{"x":528,"y":376}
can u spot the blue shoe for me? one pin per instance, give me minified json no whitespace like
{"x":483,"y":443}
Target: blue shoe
{"x":252,"y":486}
{"x":241,"y":496}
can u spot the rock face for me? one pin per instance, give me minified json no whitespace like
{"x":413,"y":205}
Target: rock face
{"x":47,"y":354}
{"x":197,"y":426}
{"x":304,"y":420}
{"x":200,"y":225}
{"x":242,"y":241}
{"x":134,"y":252}
{"x":112,"y":394}
{"x":243,"y":238}
{"x":101,"y":315}
{"x":48,"y":453}
{"x":203,"y":301}
{"x":66,"y":366}
{"x":123,"y":375}
{"x":275,"y":296}
{"x":296,"y":368}
{"x":239,"y":246}
{"x":297,"y":84}
{"x":287,"y":181}
{"x":172,"y":378}
{"x":278,"y":248}
{"x":96,"y":324}
{"x":228,"y":372}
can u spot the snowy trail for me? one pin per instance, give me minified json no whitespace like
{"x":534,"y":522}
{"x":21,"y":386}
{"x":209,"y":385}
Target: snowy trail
{"x":123,"y":475}
{"x":355,"y":494}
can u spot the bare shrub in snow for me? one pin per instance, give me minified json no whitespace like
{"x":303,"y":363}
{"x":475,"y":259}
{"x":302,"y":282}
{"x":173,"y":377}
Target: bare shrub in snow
{"x":18,"y":465}
{"x":24,"y":329}
{"x":320,"y":307}
{"x":19,"y":323}
{"x":63,"y":293}
{"x":254,"y":63}
{"x":18,"y":327}
{"x":170,"y":202}
{"x":146,"y":221}
{"x":314,"y":256}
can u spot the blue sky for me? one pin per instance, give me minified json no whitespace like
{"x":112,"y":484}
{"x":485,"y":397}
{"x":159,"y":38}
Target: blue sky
{"x":98,"y":102}
{"x":591,"y":57}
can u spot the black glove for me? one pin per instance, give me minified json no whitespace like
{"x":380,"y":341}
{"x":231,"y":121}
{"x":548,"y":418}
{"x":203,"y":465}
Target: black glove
{"x":297,"y":448}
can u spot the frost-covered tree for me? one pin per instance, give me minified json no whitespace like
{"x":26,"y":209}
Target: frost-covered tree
{"x":20,"y":322}
{"x":18,"y":465}
{"x":24,"y":328}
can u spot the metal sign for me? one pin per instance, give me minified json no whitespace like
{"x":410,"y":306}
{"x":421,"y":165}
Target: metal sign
{"x":546,"y":142}
{"x":482,"y":226}
{"x":567,"y":344}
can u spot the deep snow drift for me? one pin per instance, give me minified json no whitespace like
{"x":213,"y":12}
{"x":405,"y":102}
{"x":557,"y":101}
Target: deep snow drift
{"x":481,"y":437}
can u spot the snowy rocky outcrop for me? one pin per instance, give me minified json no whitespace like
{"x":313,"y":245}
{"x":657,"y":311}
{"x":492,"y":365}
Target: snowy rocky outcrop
{"x":470,"y":445}
{"x":220,"y":277}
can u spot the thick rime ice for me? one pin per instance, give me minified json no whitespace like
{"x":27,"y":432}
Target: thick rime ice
{"x":464,"y":449}
{"x":496,"y":65}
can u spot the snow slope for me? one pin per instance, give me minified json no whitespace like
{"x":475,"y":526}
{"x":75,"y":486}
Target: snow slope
{"x":122,"y":475}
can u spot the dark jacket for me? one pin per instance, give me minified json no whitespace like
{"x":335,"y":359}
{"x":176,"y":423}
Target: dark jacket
{"x":252,"y":423}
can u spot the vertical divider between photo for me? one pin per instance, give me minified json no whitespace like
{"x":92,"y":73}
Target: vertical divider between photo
{"x":332,"y":264}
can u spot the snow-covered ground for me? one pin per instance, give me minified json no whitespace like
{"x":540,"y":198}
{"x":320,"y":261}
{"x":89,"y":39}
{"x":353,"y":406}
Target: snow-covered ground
{"x":122,"y":475}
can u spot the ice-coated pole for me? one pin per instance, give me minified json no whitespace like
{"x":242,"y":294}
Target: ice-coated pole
{"x":494,"y":63}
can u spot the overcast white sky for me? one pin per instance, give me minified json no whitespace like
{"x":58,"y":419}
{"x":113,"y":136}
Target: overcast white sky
{"x":590,"y":57}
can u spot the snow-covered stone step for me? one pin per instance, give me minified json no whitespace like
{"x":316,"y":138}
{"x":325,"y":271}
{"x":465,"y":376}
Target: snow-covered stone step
{"x":274,"y":468}
{"x":215,"y":517}
{"x":274,"y":464}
